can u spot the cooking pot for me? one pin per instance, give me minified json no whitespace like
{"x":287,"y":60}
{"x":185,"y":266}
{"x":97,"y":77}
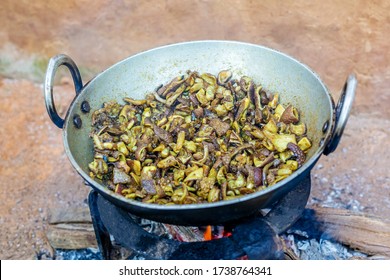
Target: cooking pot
{"x":140,"y":74}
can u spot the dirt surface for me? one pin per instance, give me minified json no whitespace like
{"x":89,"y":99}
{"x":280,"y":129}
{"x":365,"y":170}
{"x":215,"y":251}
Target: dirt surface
{"x":334,"y":39}
{"x":36,"y":174}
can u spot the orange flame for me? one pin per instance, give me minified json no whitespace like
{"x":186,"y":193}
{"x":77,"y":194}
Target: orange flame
{"x":207,"y":233}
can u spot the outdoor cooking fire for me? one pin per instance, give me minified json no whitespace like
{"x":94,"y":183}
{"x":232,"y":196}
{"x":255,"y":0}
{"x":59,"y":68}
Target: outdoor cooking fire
{"x":253,"y":237}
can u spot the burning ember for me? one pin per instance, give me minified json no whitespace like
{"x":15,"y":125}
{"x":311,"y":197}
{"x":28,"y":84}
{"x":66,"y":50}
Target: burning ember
{"x":193,"y":234}
{"x":187,"y":234}
{"x":216,"y":232}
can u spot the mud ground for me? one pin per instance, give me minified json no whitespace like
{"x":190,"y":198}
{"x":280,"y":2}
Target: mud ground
{"x":334,"y":39}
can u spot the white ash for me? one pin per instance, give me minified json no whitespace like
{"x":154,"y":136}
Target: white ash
{"x":308,"y":248}
{"x":82,"y":254}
